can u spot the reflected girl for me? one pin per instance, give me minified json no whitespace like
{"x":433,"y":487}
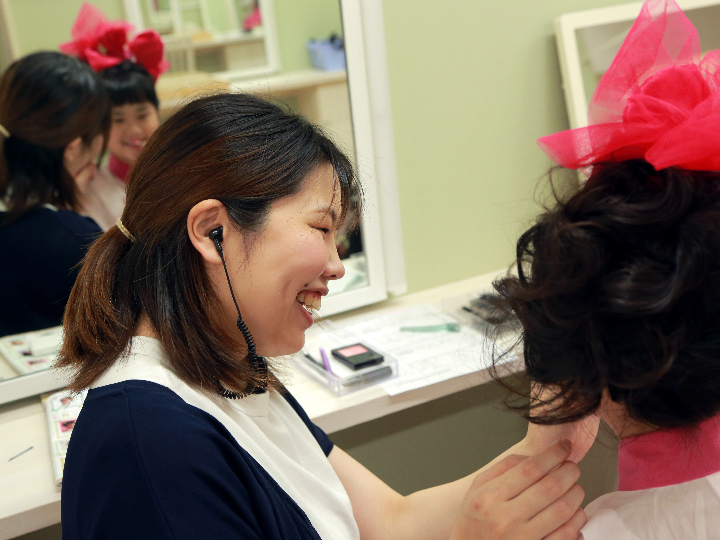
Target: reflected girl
{"x":129,"y":68}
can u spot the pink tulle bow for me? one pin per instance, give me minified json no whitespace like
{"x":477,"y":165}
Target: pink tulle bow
{"x":103,"y":44}
{"x":658,"y":100}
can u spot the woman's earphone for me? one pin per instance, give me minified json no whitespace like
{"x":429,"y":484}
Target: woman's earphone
{"x":258,"y":363}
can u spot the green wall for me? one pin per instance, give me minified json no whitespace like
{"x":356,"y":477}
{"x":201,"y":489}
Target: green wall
{"x":43,"y":24}
{"x":473,"y":84}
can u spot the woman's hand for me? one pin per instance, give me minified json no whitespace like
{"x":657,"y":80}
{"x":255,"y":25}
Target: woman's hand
{"x":581,"y":434}
{"x":524,"y":498}
{"x":84,"y":176}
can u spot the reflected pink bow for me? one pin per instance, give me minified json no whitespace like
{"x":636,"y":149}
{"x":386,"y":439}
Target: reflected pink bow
{"x":103,"y":44}
{"x":658,"y":101}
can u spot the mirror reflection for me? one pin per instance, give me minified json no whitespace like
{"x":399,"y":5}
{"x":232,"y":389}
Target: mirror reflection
{"x":211,"y":35}
{"x":217,"y":43}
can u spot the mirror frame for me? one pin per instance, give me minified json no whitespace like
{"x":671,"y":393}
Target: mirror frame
{"x":566,"y":27}
{"x":368,"y":84}
{"x":31,"y":384}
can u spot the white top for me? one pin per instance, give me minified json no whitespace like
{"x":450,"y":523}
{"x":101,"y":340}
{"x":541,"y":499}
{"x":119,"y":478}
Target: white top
{"x":264,"y":425}
{"x":687,"y":511}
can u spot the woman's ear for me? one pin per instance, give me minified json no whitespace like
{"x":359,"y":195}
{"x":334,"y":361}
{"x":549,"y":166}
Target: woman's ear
{"x":203,"y":218}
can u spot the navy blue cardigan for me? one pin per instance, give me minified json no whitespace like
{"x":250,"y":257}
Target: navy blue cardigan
{"x":142,"y":463}
{"x":40,"y":253}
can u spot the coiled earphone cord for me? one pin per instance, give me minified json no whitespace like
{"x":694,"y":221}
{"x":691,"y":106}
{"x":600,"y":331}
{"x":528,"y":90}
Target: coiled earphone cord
{"x":258,"y":363}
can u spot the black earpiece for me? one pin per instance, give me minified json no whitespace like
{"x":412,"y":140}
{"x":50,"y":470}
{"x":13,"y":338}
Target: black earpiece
{"x":216,"y":235}
{"x":258,"y":363}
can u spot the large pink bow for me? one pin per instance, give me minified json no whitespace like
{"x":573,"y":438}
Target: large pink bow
{"x":103,"y":44}
{"x":658,"y":101}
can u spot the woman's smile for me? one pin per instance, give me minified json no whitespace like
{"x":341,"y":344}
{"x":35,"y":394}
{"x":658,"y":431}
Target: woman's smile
{"x":309,"y":299}
{"x":306,"y":314}
{"x":135,"y":144}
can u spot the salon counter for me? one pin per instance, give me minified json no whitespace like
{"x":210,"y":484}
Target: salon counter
{"x":30,"y":501}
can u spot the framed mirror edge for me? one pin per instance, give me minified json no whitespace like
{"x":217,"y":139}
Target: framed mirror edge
{"x":566,"y":27}
{"x":372,"y":128}
{"x":378,"y":81}
{"x":273,"y":43}
{"x":32,"y":384}
{"x":365,"y":137}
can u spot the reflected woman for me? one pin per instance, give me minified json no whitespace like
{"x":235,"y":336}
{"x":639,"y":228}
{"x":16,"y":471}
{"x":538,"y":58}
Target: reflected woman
{"x":54,"y":115}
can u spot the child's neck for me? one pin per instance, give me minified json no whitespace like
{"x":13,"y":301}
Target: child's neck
{"x":118,"y":168}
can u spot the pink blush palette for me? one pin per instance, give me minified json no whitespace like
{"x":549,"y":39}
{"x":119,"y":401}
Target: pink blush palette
{"x":357,"y":356}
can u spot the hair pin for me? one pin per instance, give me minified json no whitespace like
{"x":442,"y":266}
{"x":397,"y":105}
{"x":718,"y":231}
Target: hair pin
{"x":124,"y":230}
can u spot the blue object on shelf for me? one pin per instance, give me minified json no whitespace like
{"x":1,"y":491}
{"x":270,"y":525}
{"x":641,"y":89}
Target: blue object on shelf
{"x":327,"y":54}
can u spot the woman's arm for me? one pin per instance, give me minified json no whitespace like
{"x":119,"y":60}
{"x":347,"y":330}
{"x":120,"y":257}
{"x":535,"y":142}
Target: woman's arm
{"x":511,"y":498}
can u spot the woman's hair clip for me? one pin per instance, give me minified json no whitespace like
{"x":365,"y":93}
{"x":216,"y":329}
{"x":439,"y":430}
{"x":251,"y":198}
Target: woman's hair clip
{"x":124,"y":230}
{"x":5,"y":133}
{"x":659,"y":100}
{"x":103,"y":44}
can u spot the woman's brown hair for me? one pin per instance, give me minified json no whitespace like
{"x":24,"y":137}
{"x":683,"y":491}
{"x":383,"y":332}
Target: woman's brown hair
{"x":47,"y":100}
{"x":239,"y":149}
{"x":618,"y":289}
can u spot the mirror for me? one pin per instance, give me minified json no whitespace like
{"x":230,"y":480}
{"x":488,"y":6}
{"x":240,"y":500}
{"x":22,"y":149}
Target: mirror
{"x":588,"y":41}
{"x":352,"y":105}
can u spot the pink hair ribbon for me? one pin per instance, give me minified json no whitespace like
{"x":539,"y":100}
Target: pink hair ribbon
{"x":103,"y":44}
{"x":658,"y":101}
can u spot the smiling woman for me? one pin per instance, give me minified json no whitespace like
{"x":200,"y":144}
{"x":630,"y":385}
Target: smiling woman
{"x":231,"y":216}
{"x":265,"y":175}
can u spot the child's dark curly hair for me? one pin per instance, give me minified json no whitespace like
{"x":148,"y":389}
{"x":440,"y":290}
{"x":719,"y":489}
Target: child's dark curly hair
{"x":618,"y":287}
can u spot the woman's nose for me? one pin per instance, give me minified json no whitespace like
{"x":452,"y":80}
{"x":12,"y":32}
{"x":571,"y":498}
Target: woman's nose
{"x":335,"y":268}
